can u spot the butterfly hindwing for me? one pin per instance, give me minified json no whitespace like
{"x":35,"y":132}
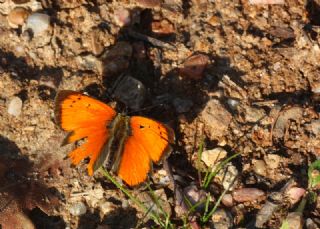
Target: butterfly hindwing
{"x":148,"y":141}
{"x":84,"y":118}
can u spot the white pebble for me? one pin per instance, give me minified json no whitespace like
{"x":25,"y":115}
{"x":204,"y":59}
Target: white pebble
{"x":233,"y":103}
{"x":78,"y":209}
{"x":15,"y":106}
{"x":213,"y":157}
{"x":38,"y":22}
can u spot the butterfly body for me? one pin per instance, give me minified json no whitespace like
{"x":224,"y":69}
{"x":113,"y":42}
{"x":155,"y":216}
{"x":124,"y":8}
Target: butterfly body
{"x":126,"y":145}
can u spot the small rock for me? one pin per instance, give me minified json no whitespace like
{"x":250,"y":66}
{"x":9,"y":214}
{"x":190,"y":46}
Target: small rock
{"x":194,"y":66}
{"x":310,"y":224}
{"x":272,"y":161}
{"x":107,"y":207}
{"x":314,"y":126}
{"x":233,"y":103}
{"x":149,"y":3}
{"x":253,"y":115}
{"x":295,"y":194}
{"x":315,"y":87}
{"x":227,"y":176}
{"x":116,"y":60}
{"x":131,"y":92}
{"x":277,"y":66}
{"x":122,"y":17}
{"x":148,"y":201}
{"x":265,"y":213}
{"x":214,"y":20}
{"x":17,"y":17}
{"x":15,"y":106}
{"x":163,"y":27}
{"x":216,"y":119}
{"x":161,"y":177}
{"x":222,"y":219}
{"x":227,"y":200}
{"x":90,"y":62}
{"x":247,"y":194}
{"x":295,"y":220}
{"x":96,"y":45}
{"x":38,"y":23}
{"x":182,"y":105}
{"x":291,"y":113}
{"x":78,"y":209}
{"x":259,"y":167}
{"x":195,"y":196}
{"x":213,"y":157}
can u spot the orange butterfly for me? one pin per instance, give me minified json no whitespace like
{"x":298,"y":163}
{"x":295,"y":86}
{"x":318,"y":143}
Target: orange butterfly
{"x":127,"y":144}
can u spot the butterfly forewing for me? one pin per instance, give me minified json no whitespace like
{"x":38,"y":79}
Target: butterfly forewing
{"x":86,"y":118}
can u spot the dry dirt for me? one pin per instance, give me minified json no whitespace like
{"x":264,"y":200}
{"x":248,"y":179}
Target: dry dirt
{"x":242,"y":77}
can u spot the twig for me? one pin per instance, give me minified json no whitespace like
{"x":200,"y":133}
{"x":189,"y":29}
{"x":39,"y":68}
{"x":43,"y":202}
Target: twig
{"x":151,"y":40}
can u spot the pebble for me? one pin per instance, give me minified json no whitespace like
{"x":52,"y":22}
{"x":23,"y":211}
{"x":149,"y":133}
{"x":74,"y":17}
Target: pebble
{"x":295,"y":194}
{"x":292,"y":113}
{"x":227,"y":200}
{"x":116,"y":60}
{"x":295,"y":220}
{"x":315,"y":87}
{"x":259,"y":167}
{"x":247,"y":194}
{"x":222,"y":219}
{"x":90,"y":62}
{"x":213,"y":157}
{"x":272,"y":161}
{"x":15,"y":106}
{"x":195,"y":196}
{"x":227,"y":176}
{"x":216,"y":119}
{"x":253,"y":115}
{"x":233,"y":103}
{"x":214,"y":21}
{"x":78,"y":209}
{"x":107,"y":207}
{"x":310,"y":224}
{"x":122,"y":17}
{"x":17,"y":17}
{"x":148,"y":201}
{"x":182,"y":105}
{"x":38,"y":23}
{"x":194,"y":66}
{"x":163,"y":27}
{"x":131,"y":92}
{"x":265,"y":213}
{"x":315,"y":127}
{"x":149,"y":3}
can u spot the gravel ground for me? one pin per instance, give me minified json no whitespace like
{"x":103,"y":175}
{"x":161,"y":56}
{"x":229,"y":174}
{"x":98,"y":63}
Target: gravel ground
{"x":228,"y":75}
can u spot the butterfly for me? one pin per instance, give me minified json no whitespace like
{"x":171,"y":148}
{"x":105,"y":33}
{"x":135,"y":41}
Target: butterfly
{"x":125,"y":145}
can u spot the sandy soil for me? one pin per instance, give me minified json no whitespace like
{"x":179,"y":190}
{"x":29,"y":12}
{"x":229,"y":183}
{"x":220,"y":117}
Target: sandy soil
{"x":238,"y":76}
